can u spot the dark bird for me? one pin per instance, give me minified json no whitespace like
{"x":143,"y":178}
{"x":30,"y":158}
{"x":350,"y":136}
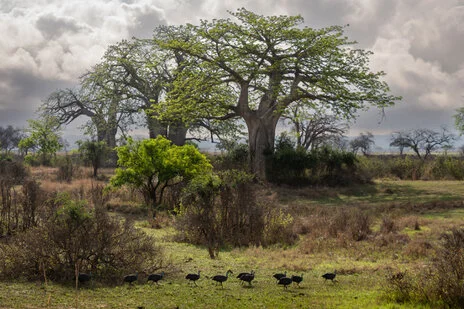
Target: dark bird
{"x":330,"y":276}
{"x":297,"y":279}
{"x":285,"y":281}
{"x":155,"y":277}
{"x":242,"y":274}
{"x":131,"y":278}
{"x":248,"y":277}
{"x":221,"y":278}
{"x":279,"y":276}
{"x":193,"y":277}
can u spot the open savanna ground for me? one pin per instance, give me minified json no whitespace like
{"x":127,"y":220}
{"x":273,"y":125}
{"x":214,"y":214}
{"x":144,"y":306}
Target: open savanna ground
{"x":370,"y":234}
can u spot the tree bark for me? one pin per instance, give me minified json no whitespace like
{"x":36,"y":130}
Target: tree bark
{"x":155,"y":127}
{"x":177,"y":133}
{"x":261,"y":132}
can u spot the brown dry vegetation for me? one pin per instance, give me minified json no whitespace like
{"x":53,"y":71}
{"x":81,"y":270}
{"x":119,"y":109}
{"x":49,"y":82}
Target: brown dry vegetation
{"x":389,"y":231}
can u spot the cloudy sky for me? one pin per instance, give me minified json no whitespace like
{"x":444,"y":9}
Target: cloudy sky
{"x":46,"y":45}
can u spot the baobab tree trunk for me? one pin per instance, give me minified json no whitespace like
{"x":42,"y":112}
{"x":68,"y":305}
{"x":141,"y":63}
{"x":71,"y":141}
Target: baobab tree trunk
{"x":155,"y":127}
{"x":177,"y":133}
{"x":261,"y":137}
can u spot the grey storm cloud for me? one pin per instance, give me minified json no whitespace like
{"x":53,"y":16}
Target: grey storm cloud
{"x":53,"y":27}
{"x":48,"y":44}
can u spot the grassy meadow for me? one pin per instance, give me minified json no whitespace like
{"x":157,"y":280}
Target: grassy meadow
{"x":417,"y":212}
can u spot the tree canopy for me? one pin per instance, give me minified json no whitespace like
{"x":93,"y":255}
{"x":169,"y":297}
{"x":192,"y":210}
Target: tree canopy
{"x":422,"y":141}
{"x":9,"y":138}
{"x":44,"y":136}
{"x":151,"y":165}
{"x":256,"y":67}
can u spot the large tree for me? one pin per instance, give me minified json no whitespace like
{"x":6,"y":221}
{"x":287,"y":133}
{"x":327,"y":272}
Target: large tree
{"x":139,"y":70}
{"x":108,"y":113}
{"x":255,"y":68}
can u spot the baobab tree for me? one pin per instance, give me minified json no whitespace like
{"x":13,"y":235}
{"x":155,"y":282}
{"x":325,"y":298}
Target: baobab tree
{"x":255,"y":68}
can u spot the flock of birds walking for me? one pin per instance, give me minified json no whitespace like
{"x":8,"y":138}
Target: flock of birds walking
{"x":244,"y":277}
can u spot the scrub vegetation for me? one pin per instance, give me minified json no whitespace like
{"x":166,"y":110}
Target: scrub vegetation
{"x":393,"y":243}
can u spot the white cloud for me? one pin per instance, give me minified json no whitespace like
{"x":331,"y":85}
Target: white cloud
{"x":48,"y":44}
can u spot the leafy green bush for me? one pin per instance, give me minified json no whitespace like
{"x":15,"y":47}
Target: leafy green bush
{"x":235,"y":156}
{"x":319,"y":166}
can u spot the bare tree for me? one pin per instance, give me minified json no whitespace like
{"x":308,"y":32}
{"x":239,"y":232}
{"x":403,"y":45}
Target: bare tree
{"x":9,"y":138}
{"x":363,"y":142}
{"x":399,"y":140}
{"x":315,"y":129}
{"x":107,"y":114}
{"x":423,"y":141}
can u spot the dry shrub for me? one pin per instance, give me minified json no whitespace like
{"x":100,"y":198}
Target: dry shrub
{"x":20,"y":199}
{"x":311,"y":245}
{"x":222,"y":210}
{"x":442,"y":283}
{"x":392,"y":240}
{"x":353,"y":223}
{"x":399,"y":286}
{"x":162,"y":219}
{"x":418,"y":248}
{"x":449,"y":269}
{"x":67,"y":169}
{"x":75,"y":237}
{"x":328,"y":228}
{"x":412,"y":222}
{"x":388,"y":225}
{"x":99,"y":195}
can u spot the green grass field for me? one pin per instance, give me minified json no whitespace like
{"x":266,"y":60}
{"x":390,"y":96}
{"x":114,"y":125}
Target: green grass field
{"x":362,"y":266}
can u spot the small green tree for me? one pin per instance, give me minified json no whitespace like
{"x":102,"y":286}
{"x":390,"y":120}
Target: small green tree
{"x":152,"y":165}
{"x":44,"y":136}
{"x":93,"y":152}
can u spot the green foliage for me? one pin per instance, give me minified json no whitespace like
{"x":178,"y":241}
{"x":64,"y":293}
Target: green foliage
{"x":44,"y":137}
{"x":152,"y":165}
{"x":444,"y":167}
{"x":319,"y":166}
{"x":253,"y":67}
{"x":234,"y":156}
{"x":459,"y":120}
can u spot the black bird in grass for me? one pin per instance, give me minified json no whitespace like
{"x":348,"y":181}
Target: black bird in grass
{"x":131,"y":278}
{"x":248,"y":277}
{"x":156,"y":277}
{"x":330,"y":276}
{"x":193,"y":277}
{"x":239,"y":276}
{"x":83,"y":277}
{"x":297,"y":279}
{"x":221,"y":278}
{"x":285,"y":281}
{"x":279,"y":276}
